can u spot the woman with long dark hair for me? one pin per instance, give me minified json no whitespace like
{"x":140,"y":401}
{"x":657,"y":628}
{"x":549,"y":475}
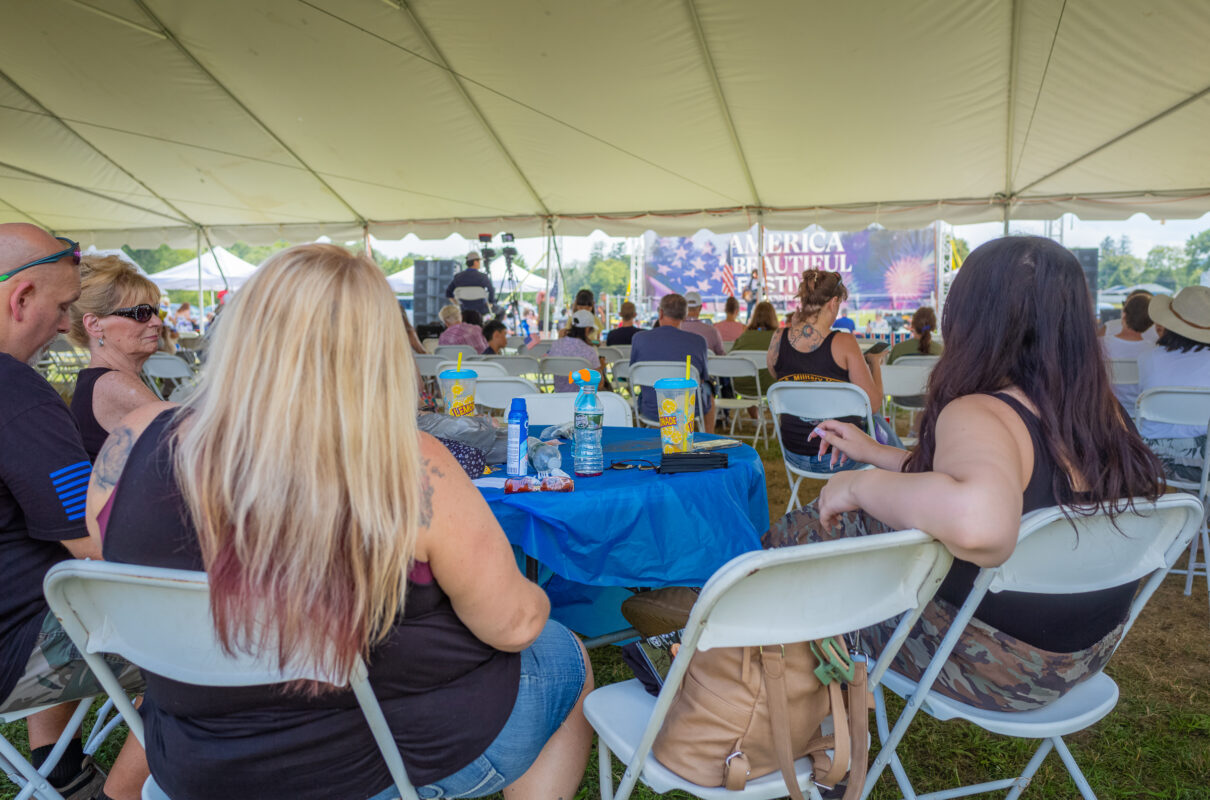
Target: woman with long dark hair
{"x":924,"y":325}
{"x":1020,"y":416}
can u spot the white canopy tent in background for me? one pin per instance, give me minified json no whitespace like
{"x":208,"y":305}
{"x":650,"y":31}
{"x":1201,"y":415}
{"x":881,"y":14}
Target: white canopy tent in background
{"x":258,"y":120}
{"x":220,"y":270}
{"x":117,"y":253}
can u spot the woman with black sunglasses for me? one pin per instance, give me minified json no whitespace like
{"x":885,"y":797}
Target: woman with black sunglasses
{"x":118,"y":319}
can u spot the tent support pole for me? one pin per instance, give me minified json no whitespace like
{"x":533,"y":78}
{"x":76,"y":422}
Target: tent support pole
{"x":201,"y":292}
{"x":550,"y":265}
{"x":760,"y":257}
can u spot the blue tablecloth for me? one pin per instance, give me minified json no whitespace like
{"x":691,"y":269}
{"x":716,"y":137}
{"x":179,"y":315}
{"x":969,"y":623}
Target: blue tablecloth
{"x":639,"y":528}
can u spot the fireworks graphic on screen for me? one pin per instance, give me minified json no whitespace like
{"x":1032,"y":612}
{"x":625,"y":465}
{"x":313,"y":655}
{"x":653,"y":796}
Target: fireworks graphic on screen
{"x":906,"y":279}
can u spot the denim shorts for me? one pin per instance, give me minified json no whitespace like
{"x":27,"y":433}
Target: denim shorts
{"x":552,"y":677}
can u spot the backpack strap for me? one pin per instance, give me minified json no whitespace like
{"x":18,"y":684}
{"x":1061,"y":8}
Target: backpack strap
{"x":774,"y":667}
{"x":859,"y":725}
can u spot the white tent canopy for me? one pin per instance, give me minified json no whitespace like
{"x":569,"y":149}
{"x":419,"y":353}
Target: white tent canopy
{"x":220,"y":270}
{"x":261,"y":120}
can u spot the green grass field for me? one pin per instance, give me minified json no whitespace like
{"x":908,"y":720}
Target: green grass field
{"x":1155,"y":744}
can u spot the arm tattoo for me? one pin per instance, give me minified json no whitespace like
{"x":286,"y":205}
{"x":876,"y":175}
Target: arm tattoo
{"x":426,"y":492}
{"x":112,"y":458}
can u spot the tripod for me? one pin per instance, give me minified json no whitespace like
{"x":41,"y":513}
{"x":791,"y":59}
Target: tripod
{"x":512,"y":299}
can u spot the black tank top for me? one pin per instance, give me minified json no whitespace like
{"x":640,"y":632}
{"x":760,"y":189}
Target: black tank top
{"x":817,"y":365}
{"x":1060,"y":623}
{"x":81,"y":408}
{"x":446,"y":695}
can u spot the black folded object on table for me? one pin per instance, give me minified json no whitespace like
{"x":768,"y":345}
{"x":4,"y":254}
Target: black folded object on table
{"x":691,"y":462}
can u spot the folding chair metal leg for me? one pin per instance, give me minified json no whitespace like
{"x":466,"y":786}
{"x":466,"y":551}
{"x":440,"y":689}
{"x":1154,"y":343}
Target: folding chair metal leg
{"x":605,"y":760}
{"x":1192,"y":570}
{"x":1031,"y":768}
{"x":795,"y":481}
{"x":35,"y":783}
{"x":1073,"y":769}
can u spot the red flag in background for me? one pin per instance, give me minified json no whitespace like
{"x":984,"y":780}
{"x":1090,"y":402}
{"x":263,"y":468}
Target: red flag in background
{"x":728,"y":280}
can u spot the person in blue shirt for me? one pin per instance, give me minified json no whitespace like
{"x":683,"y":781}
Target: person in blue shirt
{"x":669,"y":343}
{"x":843,"y":323}
{"x":471,"y":277}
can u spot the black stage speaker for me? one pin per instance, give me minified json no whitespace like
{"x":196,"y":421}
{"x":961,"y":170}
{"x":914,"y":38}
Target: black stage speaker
{"x":1088,"y":258}
{"x":428,"y":293}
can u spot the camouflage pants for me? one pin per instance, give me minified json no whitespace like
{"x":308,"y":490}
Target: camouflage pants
{"x":57,"y":673}
{"x":1182,"y":458}
{"x":988,"y":668}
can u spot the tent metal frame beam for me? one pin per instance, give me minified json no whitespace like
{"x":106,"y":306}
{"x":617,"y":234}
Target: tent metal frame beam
{"x":185,"y":51}
{"x":1124,"y":135}
{"x":46,"y":110}
{"x":406,"y":8}
{"x":105,"y":197}
{"x":1010,"y":103}
{"x":711,"y":70}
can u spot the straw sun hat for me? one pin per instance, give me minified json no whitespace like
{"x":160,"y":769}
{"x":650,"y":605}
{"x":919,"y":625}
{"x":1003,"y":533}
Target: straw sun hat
{"x":1187,"y":314}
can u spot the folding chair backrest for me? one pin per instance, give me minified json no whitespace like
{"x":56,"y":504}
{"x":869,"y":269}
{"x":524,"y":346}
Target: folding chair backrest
{"x":538,"y":349}
{"x":498,"y":391}
{"x":646,"y":373}
{"x":452,"y":350}
{"x":918,"y":358}
{"x":160,"y":620}
{"x":515,"y":341}
{"x":561,"y":366}
{"x":428,"y":364}
{"x":757,"y":357}
{"x":517,"y":366}
{"x":557,"y":408}
{"x":1175,"y":405}
{"x":1123,"y":370}
{"x":482,"y":367}
{"x":732,"y":367}
{"x":165,"y":365}
{"x":1099,"y":552}
{"x":611,"y":354}
{"x":470,"y":294}
{"x":819,"y":400}
{"x":799,"y":593}
{"x":905,"y":378}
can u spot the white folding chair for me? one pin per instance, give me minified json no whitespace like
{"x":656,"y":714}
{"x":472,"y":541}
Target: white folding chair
{"x":1054,"y":555}
{"x":496,"y":392}
{"x":611,"y":354}
{"x":515,"y":341}
{"x":763,"y":598}
{"x":1185,"y":405}
{"x":482,"y":367}
{"x":451,"y":351}
{"x":517,"y":366}
{"x":644,"y":374}
{"x":740,"y":367}
{"x":538,"y":349}
{"x":104,"y":609}
{"x":908,"y":377}
{"x":1123,"y":370}
{"x":163,"y":367}
{"x":556,"y":408}
{"x":815,"y":400}
{"x":428,"y":365}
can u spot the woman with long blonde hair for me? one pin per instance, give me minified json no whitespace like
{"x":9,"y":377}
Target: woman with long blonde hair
{"x":331,"y":529}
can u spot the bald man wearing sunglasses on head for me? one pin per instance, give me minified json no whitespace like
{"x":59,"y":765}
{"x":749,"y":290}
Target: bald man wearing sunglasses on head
{"x":44,"y":475}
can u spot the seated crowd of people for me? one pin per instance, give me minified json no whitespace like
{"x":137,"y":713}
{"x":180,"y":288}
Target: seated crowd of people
{"x":332,"y":528}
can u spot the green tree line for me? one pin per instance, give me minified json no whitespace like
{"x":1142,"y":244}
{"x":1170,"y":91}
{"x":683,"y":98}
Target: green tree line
{"x":1172,"y":266}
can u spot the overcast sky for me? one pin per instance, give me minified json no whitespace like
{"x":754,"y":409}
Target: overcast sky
{"x":1143,"y":231}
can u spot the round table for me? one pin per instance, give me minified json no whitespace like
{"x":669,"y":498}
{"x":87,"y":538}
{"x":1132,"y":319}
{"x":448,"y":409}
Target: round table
{"x":636,"y":527}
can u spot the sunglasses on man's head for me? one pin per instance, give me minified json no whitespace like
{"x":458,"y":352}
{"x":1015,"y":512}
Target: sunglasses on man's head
{"x":140,"y":313}
{"x":72,"y":249}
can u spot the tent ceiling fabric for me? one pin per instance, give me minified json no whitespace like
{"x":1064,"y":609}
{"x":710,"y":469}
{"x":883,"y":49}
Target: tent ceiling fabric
{"x":136,"y":121}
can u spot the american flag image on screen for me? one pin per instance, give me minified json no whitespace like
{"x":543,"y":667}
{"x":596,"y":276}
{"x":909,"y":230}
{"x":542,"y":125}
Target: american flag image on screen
{"x":728,"y":280}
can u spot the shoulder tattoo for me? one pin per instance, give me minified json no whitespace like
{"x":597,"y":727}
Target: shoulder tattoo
{"x":428,"y":474}
{"x":112,"y":458}
{"x":810,"y":337}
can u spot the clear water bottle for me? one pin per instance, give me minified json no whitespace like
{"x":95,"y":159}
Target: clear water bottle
{"x":589,"y":458}
{"x":517,"y":464}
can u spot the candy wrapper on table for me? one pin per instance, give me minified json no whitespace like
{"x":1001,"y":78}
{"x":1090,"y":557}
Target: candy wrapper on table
{"x":552,"y":483}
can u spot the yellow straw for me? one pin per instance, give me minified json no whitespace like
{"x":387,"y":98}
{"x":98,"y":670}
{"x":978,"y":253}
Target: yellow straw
{"x":459,"y":360}
{"x":688,"y":413}
{"x":688,"y":365}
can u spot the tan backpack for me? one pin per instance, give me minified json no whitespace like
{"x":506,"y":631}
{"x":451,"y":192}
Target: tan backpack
{"x":744,"y":712}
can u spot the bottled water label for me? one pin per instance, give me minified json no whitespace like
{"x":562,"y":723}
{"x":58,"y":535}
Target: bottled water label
{"x":589,"y":421}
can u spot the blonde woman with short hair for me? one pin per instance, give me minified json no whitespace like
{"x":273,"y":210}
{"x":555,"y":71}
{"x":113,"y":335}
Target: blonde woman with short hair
{"x":331,"y":529}
{"x":117,"y":317}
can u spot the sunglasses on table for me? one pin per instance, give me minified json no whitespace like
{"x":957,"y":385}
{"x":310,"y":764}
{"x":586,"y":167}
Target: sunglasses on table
{"x":633,"y":463}
{"x":140,"y":313}
{"x":72,"y":249}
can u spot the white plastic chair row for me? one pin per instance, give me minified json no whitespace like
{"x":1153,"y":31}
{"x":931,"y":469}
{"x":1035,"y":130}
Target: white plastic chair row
{"x":738,"y":366}
{"x":166,"y":373}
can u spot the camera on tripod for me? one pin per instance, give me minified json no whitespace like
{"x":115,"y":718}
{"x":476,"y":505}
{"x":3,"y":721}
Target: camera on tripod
{"x":485,"y":239}
{"x":509,"y":251}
